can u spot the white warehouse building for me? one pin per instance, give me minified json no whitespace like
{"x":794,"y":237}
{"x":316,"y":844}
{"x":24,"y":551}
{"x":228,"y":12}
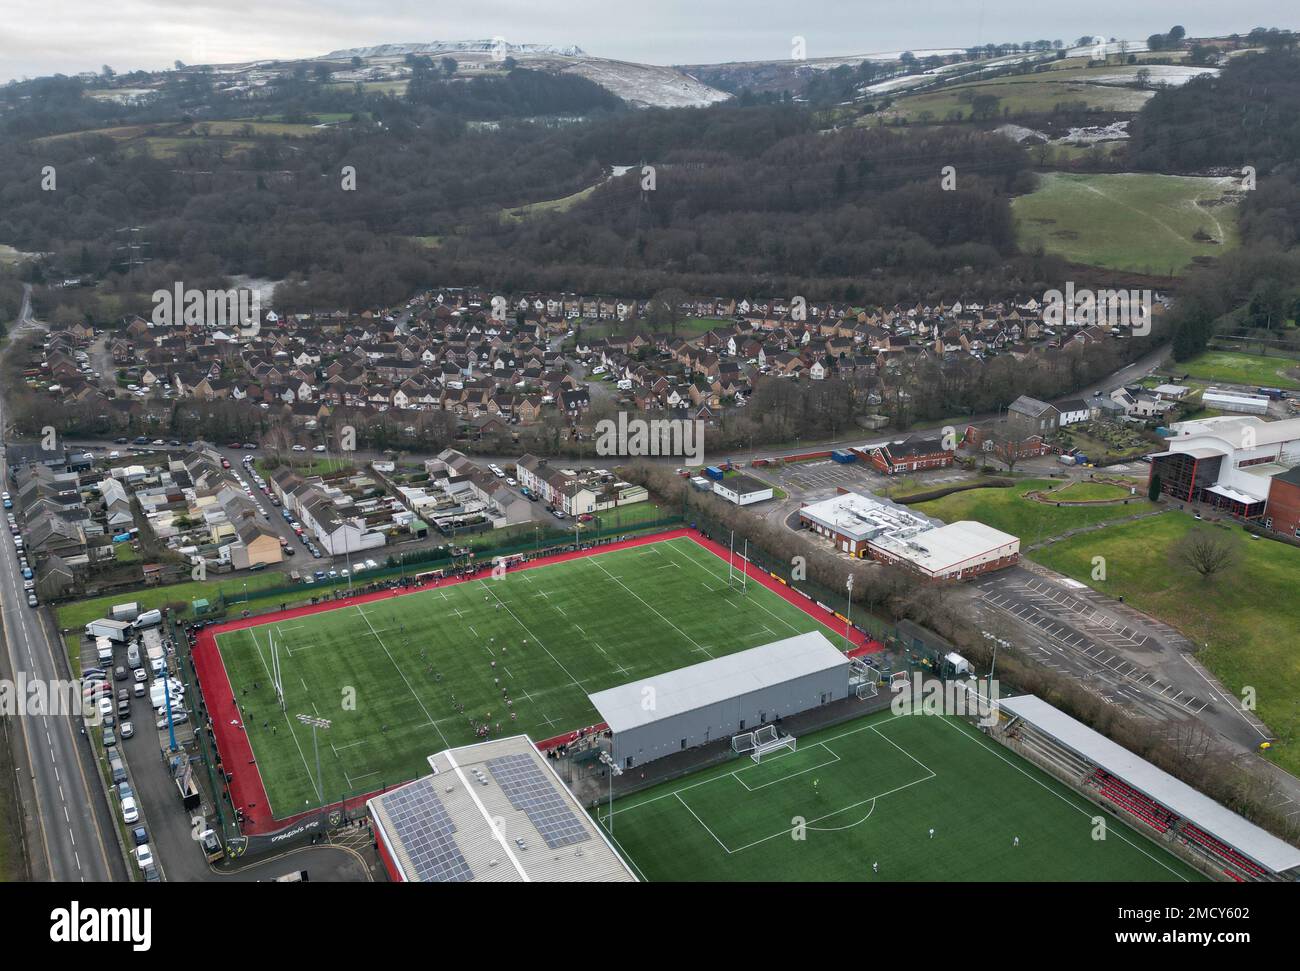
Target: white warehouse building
{"x":716,"y":699}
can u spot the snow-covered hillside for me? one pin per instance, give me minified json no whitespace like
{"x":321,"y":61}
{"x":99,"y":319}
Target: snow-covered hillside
{"x":643,"y":85}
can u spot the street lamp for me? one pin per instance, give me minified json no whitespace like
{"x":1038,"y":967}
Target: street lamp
{"x":315,"y":723}
{"x":607,"y":760}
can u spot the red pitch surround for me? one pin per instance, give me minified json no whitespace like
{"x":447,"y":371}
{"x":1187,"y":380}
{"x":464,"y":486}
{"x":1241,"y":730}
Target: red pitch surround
{"x":236,"y":752}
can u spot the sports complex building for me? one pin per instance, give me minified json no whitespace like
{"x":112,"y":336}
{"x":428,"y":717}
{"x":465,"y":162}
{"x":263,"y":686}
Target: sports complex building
{"x":491,"y":812}
{"x":719,"y":698}
{"x":1230,"y":462}
{"x":867,"y":527}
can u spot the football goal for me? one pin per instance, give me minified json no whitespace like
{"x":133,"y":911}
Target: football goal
{"x":742,"y":743}
{"x":768,"y":740}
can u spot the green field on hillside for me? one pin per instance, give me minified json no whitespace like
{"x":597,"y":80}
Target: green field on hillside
{"x":869,"y":792}
{"x":1228,"y":367}
{"x":1128,"y":221}
{"x":393,"y":675}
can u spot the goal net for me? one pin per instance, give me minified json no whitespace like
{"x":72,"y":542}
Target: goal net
{"x":742,"y":743}
{"x":768,"y":740}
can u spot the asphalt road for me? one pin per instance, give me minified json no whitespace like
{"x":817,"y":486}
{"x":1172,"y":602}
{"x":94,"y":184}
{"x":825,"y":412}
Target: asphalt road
{"x":69,"y":830}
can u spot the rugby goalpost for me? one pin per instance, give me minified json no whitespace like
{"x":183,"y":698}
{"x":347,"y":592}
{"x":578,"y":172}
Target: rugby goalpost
{"x":761,"y":742}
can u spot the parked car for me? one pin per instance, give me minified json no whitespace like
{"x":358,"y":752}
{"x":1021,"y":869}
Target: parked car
{"x":140,"y":835}
{"x":119,"y":673}
{"x":110,"y":738}
{"x":126,"y":729}
{"x":130,"y":814}
{"x":144,"y":856}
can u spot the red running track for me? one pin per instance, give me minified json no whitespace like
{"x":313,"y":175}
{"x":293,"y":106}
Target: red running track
{"x":236,"y":752}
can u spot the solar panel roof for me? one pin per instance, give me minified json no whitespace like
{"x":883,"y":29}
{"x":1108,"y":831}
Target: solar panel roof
{"x":531,"y":792}
{"x":422,"y":824}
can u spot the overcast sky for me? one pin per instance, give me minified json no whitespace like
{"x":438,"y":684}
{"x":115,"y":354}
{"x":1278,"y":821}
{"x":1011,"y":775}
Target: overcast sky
{"x":40,"y":37}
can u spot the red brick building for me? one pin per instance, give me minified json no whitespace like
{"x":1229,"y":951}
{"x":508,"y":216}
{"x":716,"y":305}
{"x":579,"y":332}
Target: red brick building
{"x":912,"y":455}
{"x":1282,"y":514}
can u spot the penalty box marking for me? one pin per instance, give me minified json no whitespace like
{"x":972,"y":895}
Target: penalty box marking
{"x":677,"y":793}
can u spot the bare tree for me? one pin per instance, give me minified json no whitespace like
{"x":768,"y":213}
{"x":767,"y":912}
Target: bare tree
{"x":1206,"y":551}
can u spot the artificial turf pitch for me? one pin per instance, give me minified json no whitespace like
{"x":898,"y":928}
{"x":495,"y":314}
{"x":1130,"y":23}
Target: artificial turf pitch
{"x":869,"y":792}
{"x":390,"y":674}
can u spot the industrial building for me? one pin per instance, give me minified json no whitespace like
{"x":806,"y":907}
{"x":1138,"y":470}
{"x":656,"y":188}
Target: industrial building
{"x":491,"y":812}
{"x":867,"y":527}
{"x":1228,"y":462}
{"x":1239,"y":402}
{"x":715,"y":699}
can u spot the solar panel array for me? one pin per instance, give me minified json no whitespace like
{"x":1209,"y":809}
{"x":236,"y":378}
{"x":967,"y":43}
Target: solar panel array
{"x":424,"y":828}
{"x":531,"y":792}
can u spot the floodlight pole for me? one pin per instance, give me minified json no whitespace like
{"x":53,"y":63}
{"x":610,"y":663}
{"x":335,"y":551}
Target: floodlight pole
{"x":608,"y":760}
{"x":731,"y":557}
{"x":848,"y":613}
{"x":316,"y":723}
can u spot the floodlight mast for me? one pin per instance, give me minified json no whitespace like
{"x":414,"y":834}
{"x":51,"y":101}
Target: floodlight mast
{"x":848,"y":613}
{"x":608,"y":760}
{"x":315,"y":723}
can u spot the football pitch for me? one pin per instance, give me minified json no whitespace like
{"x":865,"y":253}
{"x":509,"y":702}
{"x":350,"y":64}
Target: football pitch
{"x":869,"y":792}
{"x":404,"y":677}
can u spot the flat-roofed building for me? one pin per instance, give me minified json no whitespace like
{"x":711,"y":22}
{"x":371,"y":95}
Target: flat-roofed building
{"x":867,"y":527}
{"x":489,"y":813}
{"x":743,"y":490}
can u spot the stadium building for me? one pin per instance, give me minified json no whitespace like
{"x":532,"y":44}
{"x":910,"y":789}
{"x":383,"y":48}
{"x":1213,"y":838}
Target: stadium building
{"x":491,"y":812}
{"x":719,"y":698}
{"x":1217,"y":839}
{"x":866,"y":527}
{"x":1227,"y":462}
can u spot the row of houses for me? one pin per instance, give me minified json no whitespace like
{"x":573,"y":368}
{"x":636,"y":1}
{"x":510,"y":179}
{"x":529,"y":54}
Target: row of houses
{"x":575,"y":491}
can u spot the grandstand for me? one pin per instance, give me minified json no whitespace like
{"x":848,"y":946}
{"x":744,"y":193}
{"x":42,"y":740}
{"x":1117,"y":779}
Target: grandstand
{"x":1214,"y":838}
